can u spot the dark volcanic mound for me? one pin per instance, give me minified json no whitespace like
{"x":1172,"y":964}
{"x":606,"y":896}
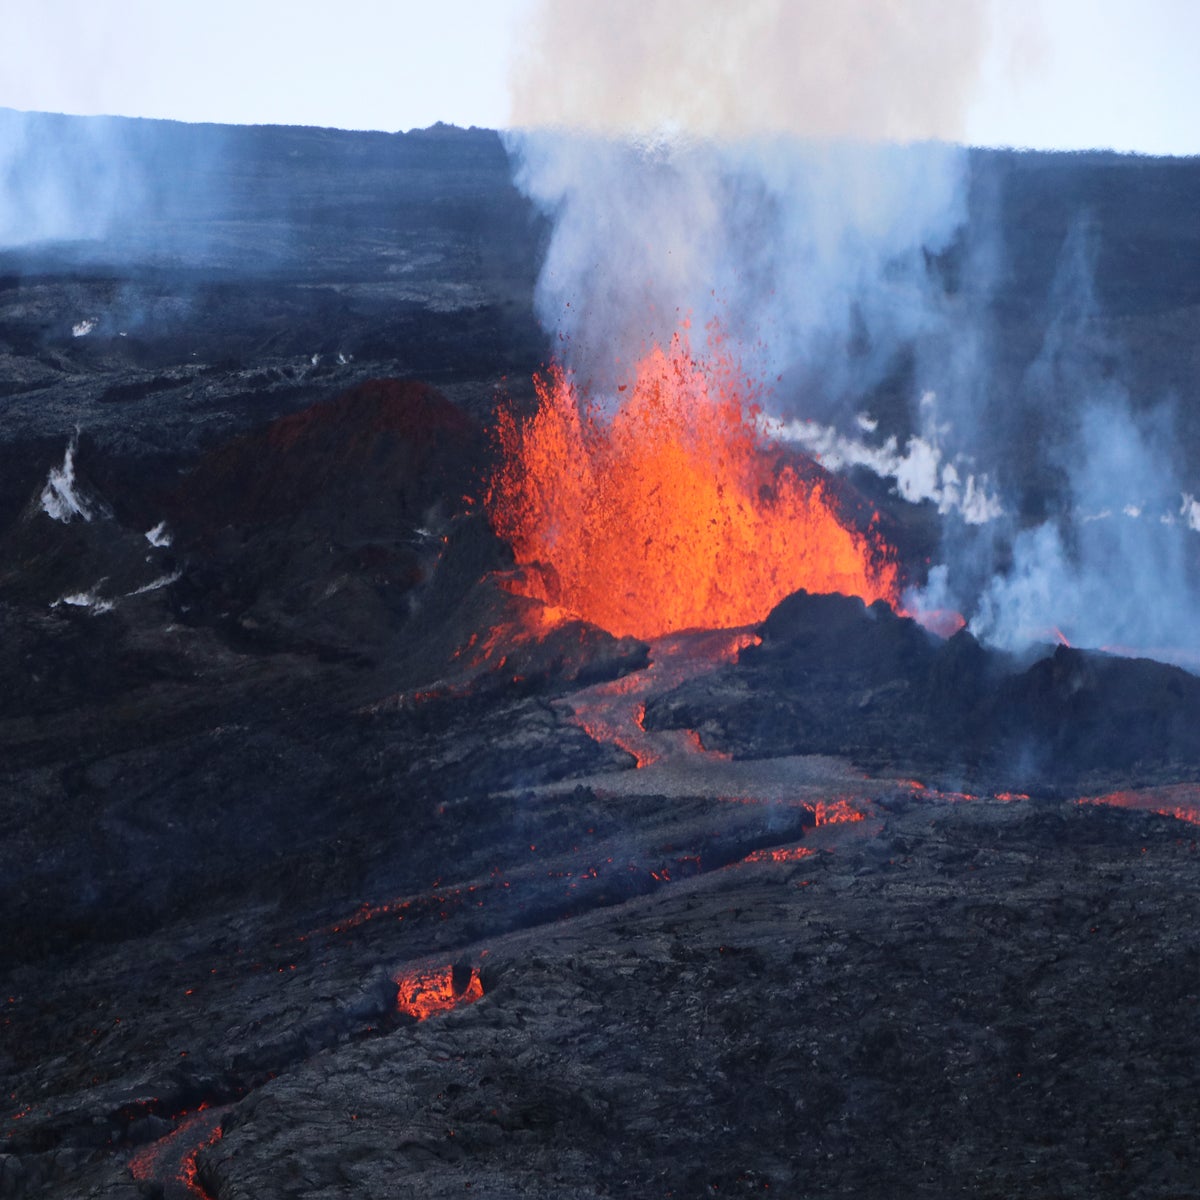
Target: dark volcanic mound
{"x":325,"y":528}
{"x":847,"y":679}
{"x":380,"y":455}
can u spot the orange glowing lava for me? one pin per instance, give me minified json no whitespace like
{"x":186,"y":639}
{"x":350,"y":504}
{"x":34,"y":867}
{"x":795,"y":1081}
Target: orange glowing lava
{"x":672,"y":513}
{"x":835,"y":812}
{"x":615,"y":711}
{"x":424,"y":993}
{"x":172,"y":1159}
{"x":1178,"y":800}
{"x":781,"y":854}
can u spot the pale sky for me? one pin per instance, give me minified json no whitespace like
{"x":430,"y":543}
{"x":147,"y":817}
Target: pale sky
{"x":1064,"y":74}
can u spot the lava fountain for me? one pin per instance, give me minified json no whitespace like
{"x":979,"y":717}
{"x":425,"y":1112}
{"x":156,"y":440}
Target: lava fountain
{"x":673,"y":511}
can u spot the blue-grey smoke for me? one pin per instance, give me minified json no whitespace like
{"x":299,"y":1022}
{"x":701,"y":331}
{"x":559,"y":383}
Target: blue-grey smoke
{"x":127,"y":188}
{"x":1115,"y":562}
{"x":812,"y":256}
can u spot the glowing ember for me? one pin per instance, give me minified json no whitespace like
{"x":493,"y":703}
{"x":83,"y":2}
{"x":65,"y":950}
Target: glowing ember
{"x":835,"y":812}
{"x":172,"y":1159}
{"x":672,"y":513}
{"x":1179,"y":800}
{"x":424,"y":993}
{"x":781,"y":854}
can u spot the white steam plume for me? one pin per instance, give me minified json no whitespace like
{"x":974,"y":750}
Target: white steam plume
{"x":748,"y":164}
{"x":860,"y":69}
{"x":923,"y":471}
{"x":87,"y":180}
{"x":61,"y":498}
{"x":1118,"y":563}
{"x":1118,"y":569}
{"x":745,"y":163}
{"x":64,"y":178}
{"x":798,"y":249}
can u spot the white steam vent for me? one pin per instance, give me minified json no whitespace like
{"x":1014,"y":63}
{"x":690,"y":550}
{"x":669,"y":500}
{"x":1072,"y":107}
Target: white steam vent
{"x":921,"y":471}
{"x":155,"y":584}
{"x":60,"y":498}
{"x":90,"y":600}
{"x":159,"y":536}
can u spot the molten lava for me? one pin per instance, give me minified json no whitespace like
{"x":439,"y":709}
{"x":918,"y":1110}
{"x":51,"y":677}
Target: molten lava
{"x":780,"y":854}
{"x":615,"y":711}
{"x":422,"y":994}
{"x":835,"y":812}
{"x":672,"y":513}
{"x":1178,"y":800}
{"x":171,"y":1161}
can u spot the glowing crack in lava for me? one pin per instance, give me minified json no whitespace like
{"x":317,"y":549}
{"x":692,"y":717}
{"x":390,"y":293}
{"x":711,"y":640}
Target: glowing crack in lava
{"x":171,"y":1161}
{"x":836,"y":812}
{"x":1178,"y":800}
{"x":423,"y":993}
{"x":780,"y":854}
{"x":672,"y":513}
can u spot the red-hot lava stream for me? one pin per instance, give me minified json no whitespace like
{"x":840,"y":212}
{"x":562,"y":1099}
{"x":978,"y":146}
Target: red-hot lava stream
{"x":614,"y":711}
{"x":170,"y":1163}
{"x":1178,"y":800}
{"x":672,"y":512}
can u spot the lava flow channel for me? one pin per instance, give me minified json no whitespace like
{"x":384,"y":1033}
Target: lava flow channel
{"x":1178,"y":800}
{"x":672,"y":513}
{"x":614,"y":711}
{"x":170,"y":1163}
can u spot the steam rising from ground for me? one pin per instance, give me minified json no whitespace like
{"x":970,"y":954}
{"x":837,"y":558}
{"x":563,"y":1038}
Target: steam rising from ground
{"x":786,"y":168}
{"x":57,"y":187}
{"x":85,"y":179}
{"x":1117,"y":565}
{"x":61,"y":498}
{"x":921,"y":472}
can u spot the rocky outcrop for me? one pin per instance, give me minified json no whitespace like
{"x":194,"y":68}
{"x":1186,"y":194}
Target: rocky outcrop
{"x":847,"y":679}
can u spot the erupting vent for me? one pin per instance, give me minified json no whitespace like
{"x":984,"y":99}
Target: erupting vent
{"x":672,"y":513}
